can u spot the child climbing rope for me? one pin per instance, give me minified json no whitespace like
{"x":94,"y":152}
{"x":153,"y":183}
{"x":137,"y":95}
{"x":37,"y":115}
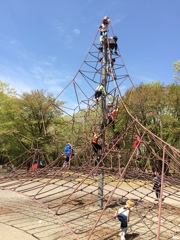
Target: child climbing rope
{"x":109,"y":68}
{"x":100,"y":91}
{"x":112,"y":116}
{"x":112,"y":44}
{"x":136,"y":145}
{"x":95,"y":144}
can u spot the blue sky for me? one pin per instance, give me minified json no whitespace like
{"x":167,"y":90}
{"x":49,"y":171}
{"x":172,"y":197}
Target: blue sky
{"x":44,"y":42}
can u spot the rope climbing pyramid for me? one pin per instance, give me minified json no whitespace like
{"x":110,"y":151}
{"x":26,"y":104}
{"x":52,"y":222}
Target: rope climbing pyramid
{"x":115,"y":159}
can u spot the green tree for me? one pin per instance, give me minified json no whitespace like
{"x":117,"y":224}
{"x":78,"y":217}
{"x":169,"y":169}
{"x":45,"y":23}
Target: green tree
{"x":146,"y":103}
{"x":171,"y":116}
{"x":36,"y":112}
{"x":176,"y":68}
{"x":7,"y":125}
{"x":36,"y":117}
{"x":157,"y":107}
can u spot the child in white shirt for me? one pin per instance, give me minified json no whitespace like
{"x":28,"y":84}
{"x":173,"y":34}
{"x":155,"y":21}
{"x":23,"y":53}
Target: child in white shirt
{"x":123,"y":216}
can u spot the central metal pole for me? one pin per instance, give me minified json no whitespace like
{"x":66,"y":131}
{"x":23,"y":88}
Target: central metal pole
{"x":103,"y":113}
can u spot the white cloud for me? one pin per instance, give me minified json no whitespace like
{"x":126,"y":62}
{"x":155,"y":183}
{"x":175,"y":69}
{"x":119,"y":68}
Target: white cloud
{"x":144,"y":79}
{"x":32,"y":74}
{"x":55,"y":89}
{"x":59,"y":26}
{"x":118,"y":20}
{"x":76,"y":31}
{"x":69,"y":42}
{"x":15,"y":82}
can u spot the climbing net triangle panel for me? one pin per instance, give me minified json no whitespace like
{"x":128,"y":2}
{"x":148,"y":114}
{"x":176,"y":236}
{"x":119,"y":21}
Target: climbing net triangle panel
{"x":78,"y":200}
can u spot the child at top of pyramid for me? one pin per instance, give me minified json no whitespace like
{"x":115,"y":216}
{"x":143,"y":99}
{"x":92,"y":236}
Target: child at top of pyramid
{"x":103,"y":28}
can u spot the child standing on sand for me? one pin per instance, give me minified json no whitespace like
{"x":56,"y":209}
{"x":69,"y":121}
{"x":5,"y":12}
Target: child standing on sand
{"x":123,"y":215}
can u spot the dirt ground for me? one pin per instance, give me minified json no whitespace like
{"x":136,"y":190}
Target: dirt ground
{"x":23,"y":218}
{"x":42,"y":218}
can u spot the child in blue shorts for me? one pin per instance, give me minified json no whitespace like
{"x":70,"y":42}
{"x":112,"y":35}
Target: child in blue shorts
{"x":123,"y":216}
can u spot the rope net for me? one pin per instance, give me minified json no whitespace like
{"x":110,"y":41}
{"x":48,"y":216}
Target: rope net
{"x":78,"y":200}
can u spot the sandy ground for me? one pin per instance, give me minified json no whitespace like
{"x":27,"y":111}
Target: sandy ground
{"x":24,"y":219}
{"x":11,"y":233}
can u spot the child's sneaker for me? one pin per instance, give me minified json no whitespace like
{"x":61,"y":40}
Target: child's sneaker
{"x":123,"y":238}
{"x":120,"y":234}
